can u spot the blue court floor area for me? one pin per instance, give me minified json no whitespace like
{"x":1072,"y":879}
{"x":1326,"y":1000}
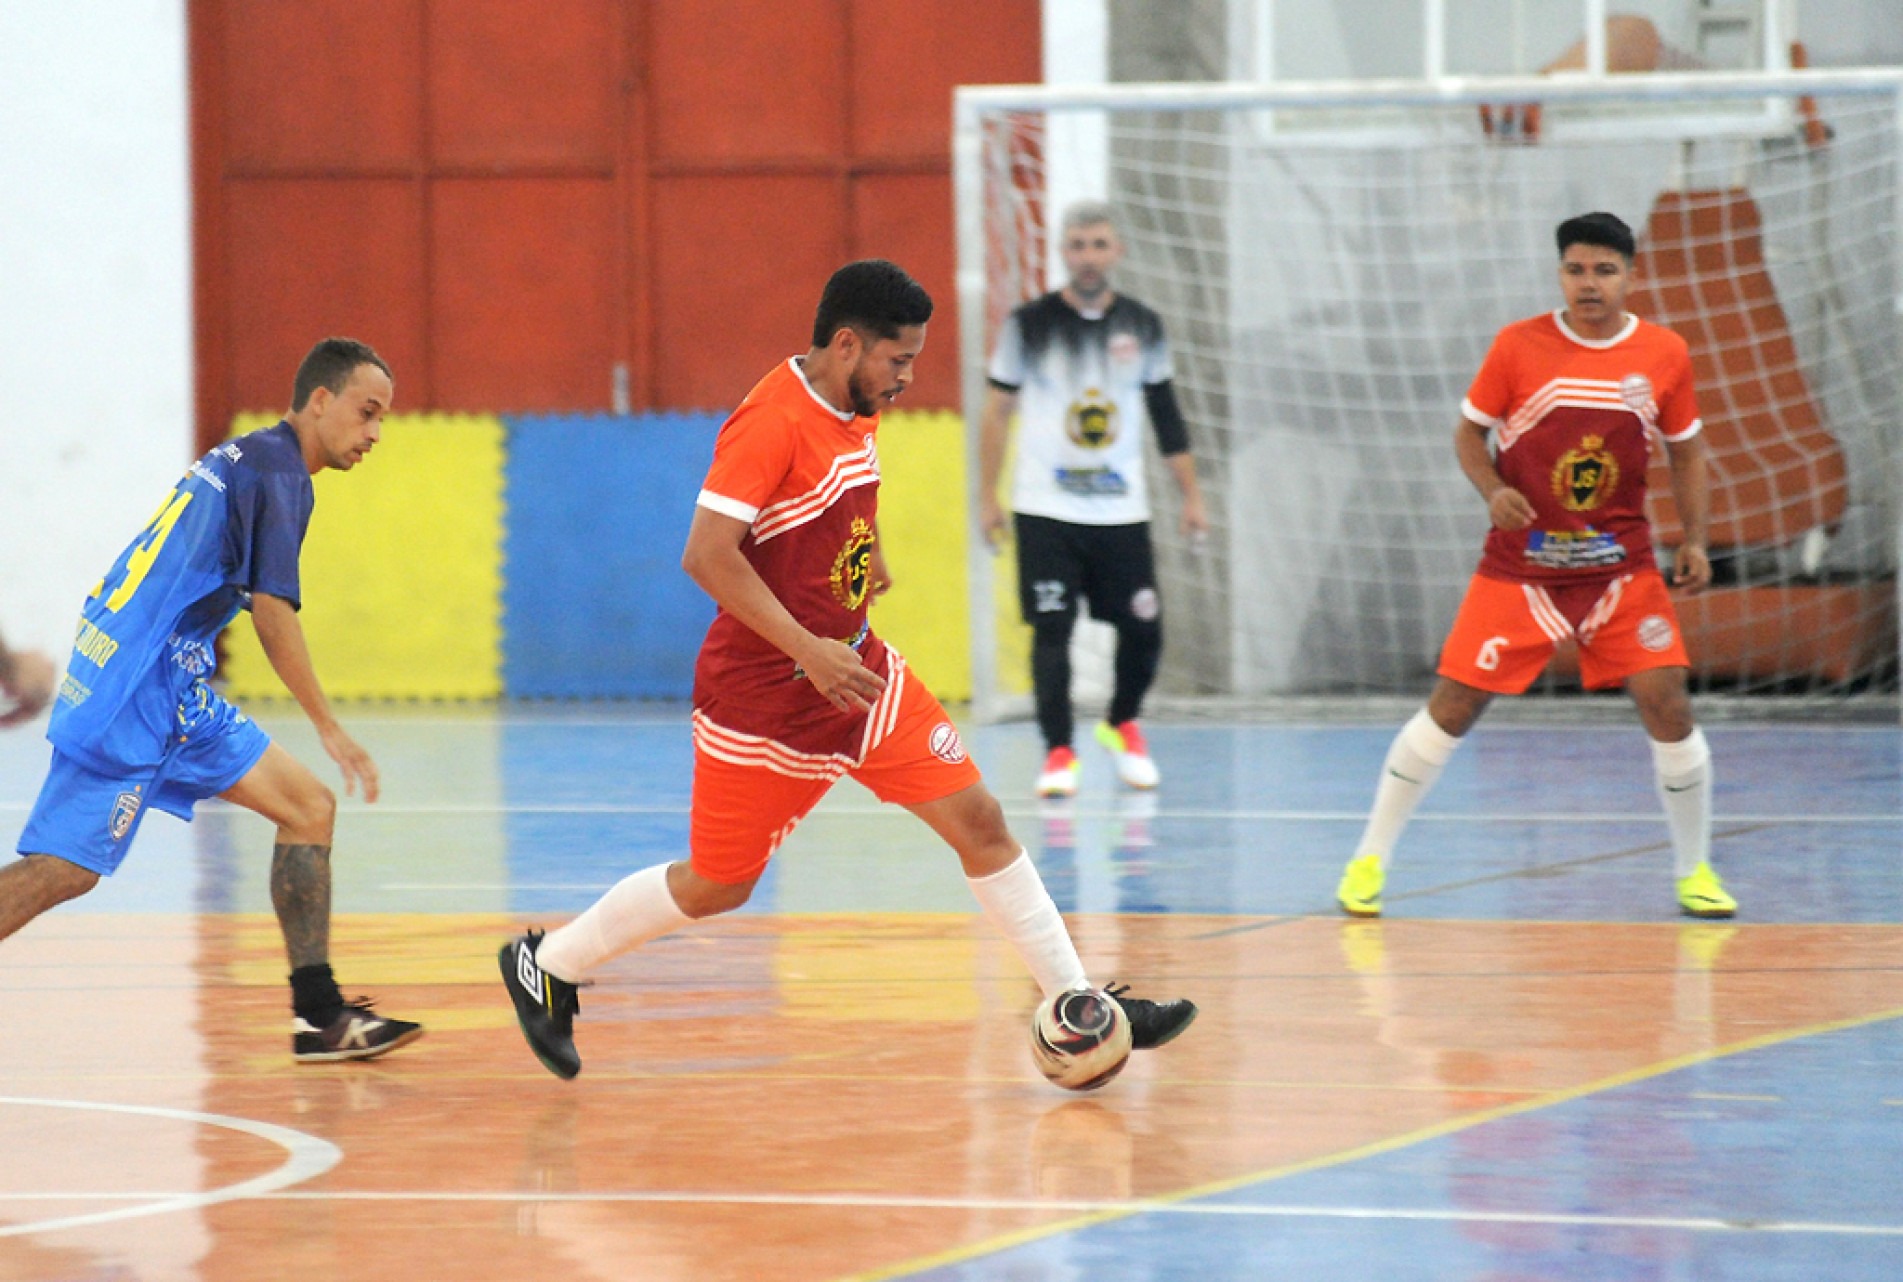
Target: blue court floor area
{"x":1754,"y":1133}
{"x":539,"y":808}
{"x":1774,"y":1163}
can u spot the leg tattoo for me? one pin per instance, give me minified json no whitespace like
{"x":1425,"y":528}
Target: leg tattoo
{"x":300,"y":891}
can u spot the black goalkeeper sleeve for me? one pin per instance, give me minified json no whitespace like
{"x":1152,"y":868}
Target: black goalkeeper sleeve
{"x":1172,"y":434}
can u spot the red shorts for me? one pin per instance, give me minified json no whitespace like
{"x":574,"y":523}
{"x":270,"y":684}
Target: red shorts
{"x":1505,"y":632}
{"x":751,"y":792}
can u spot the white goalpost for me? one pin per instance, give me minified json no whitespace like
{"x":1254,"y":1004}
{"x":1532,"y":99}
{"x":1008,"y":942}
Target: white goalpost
{"x":1331,"y":262}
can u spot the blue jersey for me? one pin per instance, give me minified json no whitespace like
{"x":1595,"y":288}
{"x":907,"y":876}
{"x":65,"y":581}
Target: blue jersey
{"x":234,"y":525}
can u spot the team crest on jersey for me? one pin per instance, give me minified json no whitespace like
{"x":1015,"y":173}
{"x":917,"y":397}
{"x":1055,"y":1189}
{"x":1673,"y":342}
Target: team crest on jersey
{"x":1124,"y":348}
{"x":945,"y":743}
{"x":852,"y":568}
{"x":1636,"y":391}
{"x":1584,"y":477}
{"x":124,"y":810}
{"x":1655,"y":632}
{"x":1092,"y":421}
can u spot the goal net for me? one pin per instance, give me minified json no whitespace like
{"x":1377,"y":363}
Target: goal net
{"x":1331,"y":264}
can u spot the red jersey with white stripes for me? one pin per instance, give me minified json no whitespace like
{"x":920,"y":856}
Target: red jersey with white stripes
{"x":805,"y":477}
{"x":1574,"y":424}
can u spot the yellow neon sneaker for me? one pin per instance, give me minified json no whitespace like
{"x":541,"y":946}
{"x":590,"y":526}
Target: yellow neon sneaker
{"x":1703,"y":895}
{"x":1360,"y":890}
{"x":1126,"y":743}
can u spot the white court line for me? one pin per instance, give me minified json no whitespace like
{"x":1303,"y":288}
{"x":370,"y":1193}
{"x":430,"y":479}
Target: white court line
{"x":1162,"y":812}
{"x":1085,"y":813}
{"x":1521,"y":719}
{"x":596,"y":886}
{"x":306,"y":1158}
{"x":1245,"y":1209}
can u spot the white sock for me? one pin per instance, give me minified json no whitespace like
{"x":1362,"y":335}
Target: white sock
{"x":1016,"y":903}
{"x":1415,"y":761}
{"x":636,"y":909}
{"x":1684,"y":787}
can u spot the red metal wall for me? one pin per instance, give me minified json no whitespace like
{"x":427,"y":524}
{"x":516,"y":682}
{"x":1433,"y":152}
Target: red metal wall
{"x":511,"y":197}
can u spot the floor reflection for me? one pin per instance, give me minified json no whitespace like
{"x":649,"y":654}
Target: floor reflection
{"x":1530,"y":1069}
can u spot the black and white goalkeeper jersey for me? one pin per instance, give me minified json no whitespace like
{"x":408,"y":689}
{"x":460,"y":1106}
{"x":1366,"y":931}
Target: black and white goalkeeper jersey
{"x":1081,"y":383}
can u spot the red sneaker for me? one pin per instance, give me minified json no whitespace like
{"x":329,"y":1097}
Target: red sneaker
{"x":1059,"y":776}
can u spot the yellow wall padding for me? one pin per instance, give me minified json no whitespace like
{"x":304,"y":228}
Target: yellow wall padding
{"x":402,"y":569}
{"x":923,"y":527}
{"x":1012,"y":633}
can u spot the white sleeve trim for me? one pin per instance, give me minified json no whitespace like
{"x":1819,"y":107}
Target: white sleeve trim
{"x":1697,"y":426}
{"x":1472,"y":414}
{"x":727,"y":507}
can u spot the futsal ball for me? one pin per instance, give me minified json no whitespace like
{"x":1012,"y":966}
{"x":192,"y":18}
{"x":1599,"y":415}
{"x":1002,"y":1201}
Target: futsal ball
{"x":1080,"y":1038}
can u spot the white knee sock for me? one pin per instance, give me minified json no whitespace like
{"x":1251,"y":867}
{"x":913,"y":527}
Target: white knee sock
{"x":1684,"y":786}
{"x":1016,"y":903}
{"x":636,"y":909}
{"x":1415,"y":761}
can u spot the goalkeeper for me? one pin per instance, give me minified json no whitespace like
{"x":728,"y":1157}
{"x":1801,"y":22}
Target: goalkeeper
{"x":1086,"y":366}
{"x":1556,"y":433}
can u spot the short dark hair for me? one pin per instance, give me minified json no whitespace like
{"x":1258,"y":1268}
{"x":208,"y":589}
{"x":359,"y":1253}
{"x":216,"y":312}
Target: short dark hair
{"x":1608,"y":231}
{"x":330,"y":364}
{"x":873,"y":296}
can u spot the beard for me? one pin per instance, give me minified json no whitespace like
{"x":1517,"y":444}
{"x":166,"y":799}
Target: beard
{"x":1090,"y":286}
{"x":864,"y":400}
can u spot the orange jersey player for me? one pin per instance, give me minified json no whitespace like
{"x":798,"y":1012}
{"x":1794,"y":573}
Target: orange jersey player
{"x":1555,"y":434}
{"x":793,"y":689}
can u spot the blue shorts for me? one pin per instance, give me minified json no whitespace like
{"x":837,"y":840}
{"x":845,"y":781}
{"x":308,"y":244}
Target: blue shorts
{"x":89,"y":818}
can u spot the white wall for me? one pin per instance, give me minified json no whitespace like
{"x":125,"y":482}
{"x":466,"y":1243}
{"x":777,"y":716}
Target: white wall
{"x":1852,"y":33}
{"x":1360,"y":39}
{"x":95,"y":305}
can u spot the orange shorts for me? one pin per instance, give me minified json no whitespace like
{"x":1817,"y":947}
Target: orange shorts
{"x":1505,"y":632}
{"x":750,"y":792}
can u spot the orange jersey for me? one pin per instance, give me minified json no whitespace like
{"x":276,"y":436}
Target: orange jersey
{"x":805,"y":477}
{"x":1575,"y":421}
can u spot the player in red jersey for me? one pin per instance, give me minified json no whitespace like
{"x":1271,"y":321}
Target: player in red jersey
{"x":793,"y":690}
{"x":1556,"y":433}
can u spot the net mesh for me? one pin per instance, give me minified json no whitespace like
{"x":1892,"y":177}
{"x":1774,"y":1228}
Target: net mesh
{"x":1331,"y":278}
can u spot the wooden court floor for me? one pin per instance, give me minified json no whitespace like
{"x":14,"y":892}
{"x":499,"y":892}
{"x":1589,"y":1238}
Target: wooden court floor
{"x":1531,"y":1069}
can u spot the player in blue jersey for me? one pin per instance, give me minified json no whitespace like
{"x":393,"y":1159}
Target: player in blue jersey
{"x":136,"y":725}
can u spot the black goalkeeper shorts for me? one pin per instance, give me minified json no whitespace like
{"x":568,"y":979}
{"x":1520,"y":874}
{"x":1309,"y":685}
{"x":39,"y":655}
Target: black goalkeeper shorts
{"x":1061,"y":563}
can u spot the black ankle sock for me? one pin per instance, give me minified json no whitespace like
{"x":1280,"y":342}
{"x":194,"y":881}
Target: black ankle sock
{"x":314,"y":995}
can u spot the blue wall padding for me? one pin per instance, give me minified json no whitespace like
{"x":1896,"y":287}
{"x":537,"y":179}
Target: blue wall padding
{"x":594,"y":601}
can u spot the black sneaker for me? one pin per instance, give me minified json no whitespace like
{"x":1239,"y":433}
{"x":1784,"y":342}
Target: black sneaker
{"x":1153,"y":1023}
{"x":356,"y":1033}
{"x":544,"y":1005}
